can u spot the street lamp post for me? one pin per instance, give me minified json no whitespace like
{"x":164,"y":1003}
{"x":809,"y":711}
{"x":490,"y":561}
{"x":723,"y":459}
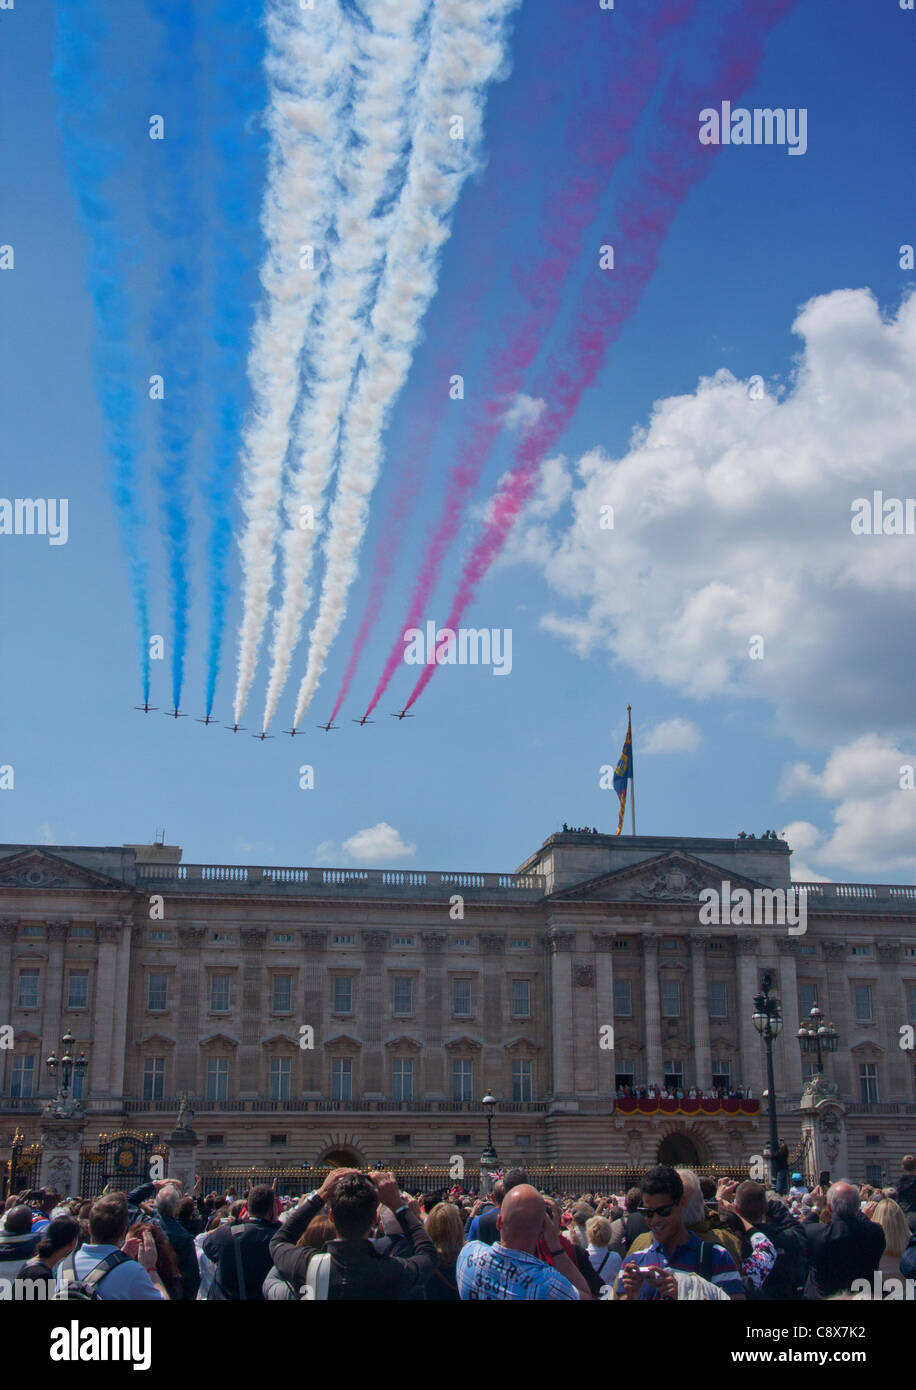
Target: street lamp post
{"x":815,"y":1035}
{"x":767,"y":1020}
{"x":489,"y":1155}
{"x":64,"y":1103}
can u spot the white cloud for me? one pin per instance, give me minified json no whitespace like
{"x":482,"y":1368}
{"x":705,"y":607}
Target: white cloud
{"x":874,"y":817}
{"x":47,"y":834}
{"x":732,"y":519}
{"x":671,"y":736}
{"x":379,"y":844}
{"x":524,"y":412}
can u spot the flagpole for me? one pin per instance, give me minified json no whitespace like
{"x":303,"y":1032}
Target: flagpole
{"x":632,"y":778}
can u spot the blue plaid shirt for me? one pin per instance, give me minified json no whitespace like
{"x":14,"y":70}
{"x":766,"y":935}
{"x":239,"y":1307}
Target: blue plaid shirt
{"x":494,"y":1271}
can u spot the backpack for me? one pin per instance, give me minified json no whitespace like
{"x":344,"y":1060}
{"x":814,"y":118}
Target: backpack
{"x":86,"y":1288}
{"x":317,"y":1279}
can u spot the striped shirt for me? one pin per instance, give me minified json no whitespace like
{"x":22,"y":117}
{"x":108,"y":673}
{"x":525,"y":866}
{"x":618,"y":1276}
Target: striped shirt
{"x":688,"y":1257}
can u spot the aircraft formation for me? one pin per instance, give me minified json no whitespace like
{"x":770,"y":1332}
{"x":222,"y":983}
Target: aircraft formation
{"x":329,"y":727}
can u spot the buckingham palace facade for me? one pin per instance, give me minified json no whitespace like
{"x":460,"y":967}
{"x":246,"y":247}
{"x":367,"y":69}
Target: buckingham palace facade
{"x":310,"y":1014}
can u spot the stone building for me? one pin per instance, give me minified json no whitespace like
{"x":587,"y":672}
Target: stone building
{"x":362,"y":1014}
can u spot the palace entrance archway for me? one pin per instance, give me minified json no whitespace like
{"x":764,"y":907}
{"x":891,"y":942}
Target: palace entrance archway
{"x":679,"y":1151}
{"x":341,"y":1157}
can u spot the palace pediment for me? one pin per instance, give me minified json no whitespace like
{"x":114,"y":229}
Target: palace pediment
{"x":37,"y":868}
{"x":674,"y":877}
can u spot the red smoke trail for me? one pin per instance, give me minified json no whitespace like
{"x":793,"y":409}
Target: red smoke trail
{"x":645,"y":219}
{"x":568,"y":211}
{"x":500,"y":209}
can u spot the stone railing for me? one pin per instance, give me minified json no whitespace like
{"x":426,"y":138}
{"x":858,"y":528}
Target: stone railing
{"x":882,"y":1107}
{"x":280,"y":1107}
{"x":368,"y":882}
{"x":899,"y":897}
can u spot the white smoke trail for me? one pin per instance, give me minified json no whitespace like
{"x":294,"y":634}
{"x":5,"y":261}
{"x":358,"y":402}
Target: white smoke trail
{"x":308,"y":66}
{"x":467,"y":51}
{"x":387,"y":61}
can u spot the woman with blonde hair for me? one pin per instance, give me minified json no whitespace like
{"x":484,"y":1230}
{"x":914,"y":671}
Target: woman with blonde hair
{"x":605,"y":1262}
{"x":446,"y":1231}
{"x":889,"y":1216}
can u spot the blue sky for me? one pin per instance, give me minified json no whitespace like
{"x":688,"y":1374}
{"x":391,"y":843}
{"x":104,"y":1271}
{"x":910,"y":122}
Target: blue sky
{"x":810,"y":738}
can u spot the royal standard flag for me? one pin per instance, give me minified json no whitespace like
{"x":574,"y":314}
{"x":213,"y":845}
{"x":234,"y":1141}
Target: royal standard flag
{"x":623,"y":772}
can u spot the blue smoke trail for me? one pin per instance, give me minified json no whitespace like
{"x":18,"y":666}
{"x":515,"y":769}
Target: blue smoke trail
{"x":92,"y":158}
{"x":175,"y":335}
{"x":237,"y":42}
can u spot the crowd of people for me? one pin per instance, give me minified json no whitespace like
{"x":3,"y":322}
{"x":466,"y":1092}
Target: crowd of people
{"x":676,"y":1235}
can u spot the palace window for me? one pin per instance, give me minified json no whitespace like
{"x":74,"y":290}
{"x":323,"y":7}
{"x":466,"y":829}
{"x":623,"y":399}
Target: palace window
{"x":674,"y":1075}
{"x":157,"y":993}
{"x":521,"y":1081}
{"x":623,"y":999}
{"x":28,"y":989}
{"x":868,"y":1082}
{"x":343,"y":994}
{"x":277,"y":1141}
{"x":462,"y":1080}
{"x":521,"y":998}
{"x":804,"y":950}
{"x":461,"y":998}
{"x":78,"y":989}
{"x":863,"y":1003}
{"x":911,"y":1002}
{"x":621,"y":945}
{"x":402,"y":1141}
{"x":160,"y":937}
{"x":78,"y":1083}
{"x":520,"y":943}
{"x":153,"y":1077}
{"x":80,"y":931}
{"x":873,"y":1141}
{"x":718,"y":999}
{"x":874,"y":1174}
{"x":22,"y":1081}
{"x":279,"y":1078}
{"x":282,"y":993}
{"x":217,"y":1078}
{"x":807,"y":998}
{"x":214,"y":1141}
{"x":283,"y":938}
{"x":341,"y":1078}
{"x":222,"y":936}
{"x":861,"y":950}
{"x":219,"y":994}
{"x":403,"y":995}
{"x":462,"y":1141}
{"x":463,"y":943}
{"x":624,"y":1075}
{"x":403,"y":1079}
{"x":671,"y":998}
{"x":403,"y":941}
{"x":721,"y":1073}
{"x":33,"y":931}
{"x":344,"y":939}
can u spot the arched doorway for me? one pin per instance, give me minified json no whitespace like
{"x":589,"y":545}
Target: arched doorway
{"x":678,"y":1151}
{"x":341,"y":1158}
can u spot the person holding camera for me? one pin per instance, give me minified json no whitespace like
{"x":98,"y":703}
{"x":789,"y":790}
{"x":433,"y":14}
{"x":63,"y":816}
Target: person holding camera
{"x":357,"y":1269}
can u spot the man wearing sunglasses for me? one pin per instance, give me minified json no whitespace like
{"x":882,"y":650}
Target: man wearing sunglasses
{"x":646,"y":1274}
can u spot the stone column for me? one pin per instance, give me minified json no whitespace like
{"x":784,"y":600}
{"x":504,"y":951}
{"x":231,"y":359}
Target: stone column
{"x":188,"y":1075}
{"x":373,"y":985}
{"x":603,"y":946}
{"x":102,"y":1062}
{"x":753,"y":1055}
{"x":838,"y":1064}
{"x":652,"y":1011}
{"x":316,"y":1007}
{"x":791,"y":1050}
{"x":119,"y":1022}
{"x":250,"y":1083}
{"x":889,"y":1009}
{"x":562,"y":1020}
{"x":61,"y":1143}
{"x":53,"y":1003}
{"x":493,"y":1071}
{"x":702,"y":1061}
{"x":433,"y":1011}
{"x":9,"y":928}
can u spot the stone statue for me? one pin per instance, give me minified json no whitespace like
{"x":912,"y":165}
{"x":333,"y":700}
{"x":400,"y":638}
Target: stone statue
{"x":185,"y":1113}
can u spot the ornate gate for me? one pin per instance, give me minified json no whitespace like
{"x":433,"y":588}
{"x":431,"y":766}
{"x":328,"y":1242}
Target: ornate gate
{"x":22,"y":1168}
{"x":122,"y":1161}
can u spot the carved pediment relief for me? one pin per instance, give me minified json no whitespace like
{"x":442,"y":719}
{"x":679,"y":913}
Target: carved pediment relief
{"x":280,"y":1042}
{"x":628,"y":1048}
{"x":521,"y":1047}
{"x":867,"y":1051}
{"x":218,"y":1042}
{"x":463,"y":1044}
{"x":36,"y":868}
{"x":151,"y":1040}
{"x":673,"y":877}
{"x":403,"y":1043}
{"x":345,"y":1044}
{"x":25,"y":1039}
